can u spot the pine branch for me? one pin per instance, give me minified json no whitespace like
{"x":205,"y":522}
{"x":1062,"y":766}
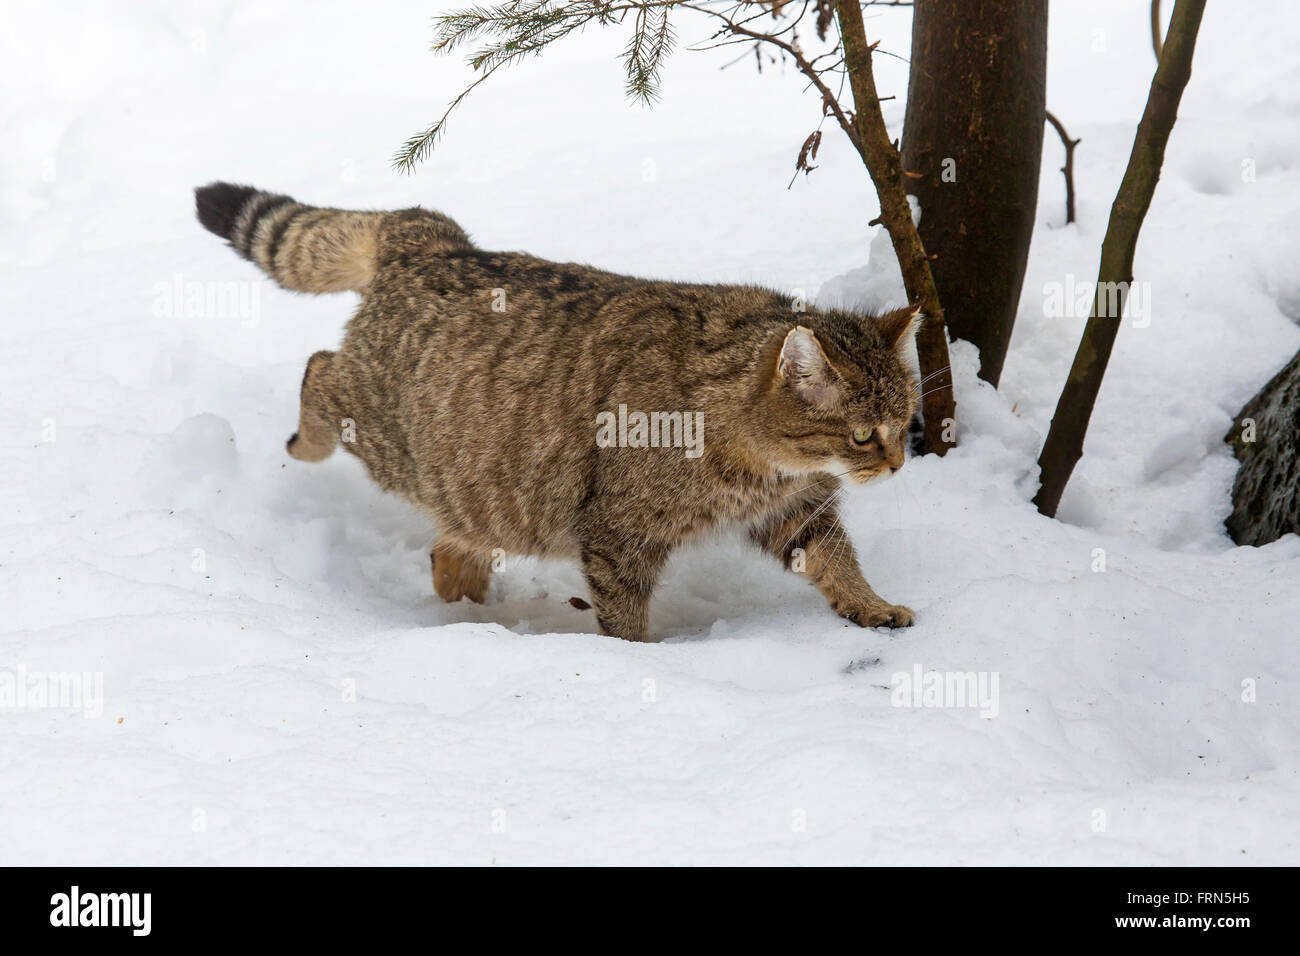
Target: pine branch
{"x":651,"y":43}
{"x":515,"y":29}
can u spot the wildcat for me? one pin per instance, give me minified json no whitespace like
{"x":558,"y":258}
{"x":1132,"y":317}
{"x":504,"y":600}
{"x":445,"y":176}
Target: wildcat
{"x":476,"y":384}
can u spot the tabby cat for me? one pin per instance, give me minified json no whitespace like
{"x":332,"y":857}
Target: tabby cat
{"x":552,"y":409}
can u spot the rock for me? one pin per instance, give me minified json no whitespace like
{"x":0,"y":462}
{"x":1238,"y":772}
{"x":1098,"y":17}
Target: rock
{"x":1266,"y":440}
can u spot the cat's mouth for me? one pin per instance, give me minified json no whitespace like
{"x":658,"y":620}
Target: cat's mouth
{"x":864,"y":475}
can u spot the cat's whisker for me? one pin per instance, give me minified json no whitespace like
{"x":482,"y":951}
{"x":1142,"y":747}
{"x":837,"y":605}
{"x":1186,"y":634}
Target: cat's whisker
{"x":927,"y":378}
{"x":813,"y":484}
{"x":933,"y":390}
{"x":824,"y":543}
{"x":841,"y":538}
{"x":830,"y":499}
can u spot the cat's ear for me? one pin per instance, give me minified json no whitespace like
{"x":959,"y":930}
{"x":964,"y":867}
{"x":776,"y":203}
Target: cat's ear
{"x":900,"y":327}
{"x":804,"y":367}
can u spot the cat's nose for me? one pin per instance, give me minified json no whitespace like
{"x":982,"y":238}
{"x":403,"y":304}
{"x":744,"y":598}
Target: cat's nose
{"x":893,"y":467}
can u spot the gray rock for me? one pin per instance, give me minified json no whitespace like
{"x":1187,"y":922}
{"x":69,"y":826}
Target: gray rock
{"x":1266,"y":494}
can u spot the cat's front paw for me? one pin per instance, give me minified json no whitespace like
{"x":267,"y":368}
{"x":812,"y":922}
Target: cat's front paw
{"x":878,"y":615}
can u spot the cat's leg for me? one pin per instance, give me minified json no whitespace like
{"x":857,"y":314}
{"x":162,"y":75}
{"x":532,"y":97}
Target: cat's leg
{"x":317,"y":433}
{"x":621,"y":579}
{"x":459,"y":572}
{"x":809,"y":539}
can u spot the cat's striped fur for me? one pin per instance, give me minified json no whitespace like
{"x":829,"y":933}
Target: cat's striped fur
{"x":470,"y":382}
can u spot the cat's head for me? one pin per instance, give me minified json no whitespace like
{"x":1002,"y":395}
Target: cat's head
{"x":840,"y":394}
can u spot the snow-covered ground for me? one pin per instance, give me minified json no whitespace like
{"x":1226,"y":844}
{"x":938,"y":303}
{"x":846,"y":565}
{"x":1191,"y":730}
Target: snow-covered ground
{"x":280,"y":684}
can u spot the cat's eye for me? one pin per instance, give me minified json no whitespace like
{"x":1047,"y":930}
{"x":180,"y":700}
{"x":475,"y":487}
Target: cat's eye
{"x":863,"y":435}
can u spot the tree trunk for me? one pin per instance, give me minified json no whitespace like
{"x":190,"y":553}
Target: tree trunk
{"x":1266,"y":439}
{"x":976,"y":100}
{"x":1064,"y":445}
{"x":880,"y":156}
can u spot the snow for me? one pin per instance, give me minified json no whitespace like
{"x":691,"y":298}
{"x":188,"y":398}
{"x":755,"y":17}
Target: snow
{"x":280,"y":683}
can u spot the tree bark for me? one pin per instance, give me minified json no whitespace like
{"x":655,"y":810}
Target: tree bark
{"x":882,"y":160}
{"x":1266,"y":439}
{"x":1064,"y":445}
{"x":976,"y":97}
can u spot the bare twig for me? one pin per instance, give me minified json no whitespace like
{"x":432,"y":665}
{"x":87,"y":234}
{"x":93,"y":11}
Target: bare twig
{"x":1157,"y":44}
{"x":829,"y":100}
{"x":1068,"y":169}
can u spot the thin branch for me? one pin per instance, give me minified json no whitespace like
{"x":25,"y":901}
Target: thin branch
{"x":415,"y":149}
{"x":530,"y":26}
{"x":829,"y":100}
{"x":1157,"y":43}
{"x":1068,"y":169}
{"x":1063,"y":446}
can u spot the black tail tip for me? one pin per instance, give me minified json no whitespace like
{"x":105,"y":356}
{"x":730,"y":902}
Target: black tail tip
{"x":217,"y":205}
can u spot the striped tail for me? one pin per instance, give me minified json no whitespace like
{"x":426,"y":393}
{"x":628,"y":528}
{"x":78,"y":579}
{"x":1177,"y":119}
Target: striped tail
{"x":307,"y":249}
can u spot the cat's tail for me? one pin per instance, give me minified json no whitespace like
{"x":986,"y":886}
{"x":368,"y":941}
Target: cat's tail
{"x":308,"y":249}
